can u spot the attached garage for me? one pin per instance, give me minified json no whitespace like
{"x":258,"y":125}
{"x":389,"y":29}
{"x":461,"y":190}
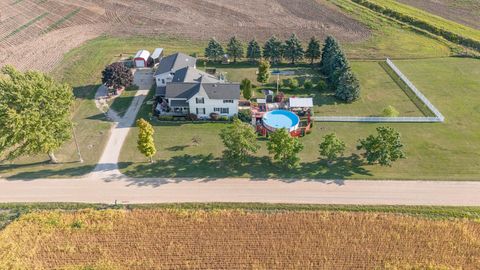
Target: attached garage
{"x":141,"y":58}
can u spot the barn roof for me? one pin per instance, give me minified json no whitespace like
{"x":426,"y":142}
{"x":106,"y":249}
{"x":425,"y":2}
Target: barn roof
{"x":144,"y":54}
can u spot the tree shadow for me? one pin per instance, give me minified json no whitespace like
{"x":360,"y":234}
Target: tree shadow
{"x":177,"y":148}
{"x":85,"y":91}
{"x":53,"y":172}
{"x":208,"y":168}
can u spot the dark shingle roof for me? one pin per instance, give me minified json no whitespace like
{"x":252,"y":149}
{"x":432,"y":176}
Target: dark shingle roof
{"x":175,"y":62}
{"x":178,"y":103}
{"x":181,"y":90}
{"x":191,"y":74}
{"x":160,"y":91}
{"x":222,"y":90}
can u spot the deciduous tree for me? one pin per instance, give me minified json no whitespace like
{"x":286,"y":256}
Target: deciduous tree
{"x":293,"y":49}
{"x":390,"y":111}
{"x":240,"y":141}
{"x":235,"y":49}
{"x":117,"y":76}
{"x":35,"y":114}
{"x":145,"y":141}
{"x":284,"y":148}
{"x":384,"y":148}
{"x":331,"y":147}
{"x":313,"y":51}
{"x":214,"y":50}
{"x":263,"y":71}
{"x":254,"y":52}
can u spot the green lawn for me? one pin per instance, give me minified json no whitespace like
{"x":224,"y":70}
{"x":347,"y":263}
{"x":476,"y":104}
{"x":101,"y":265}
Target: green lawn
{"x":82,"y":68}
{"x":378,"y":89}
{"x":442,"y":151}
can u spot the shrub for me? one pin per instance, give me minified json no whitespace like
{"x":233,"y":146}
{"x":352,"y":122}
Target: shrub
{"x":245,"y":115}
{"x":246,"y":87}
{"x":308,"y":85}
{"x":280,"y":97}
{"x":191,"y":117}
{"x":214,"y":116}
{"x":321,"y":85}
{"x":165,"y":118}
{"x":223,"y":118}
{"x":291,"y":83}
{"x":390,"y":111}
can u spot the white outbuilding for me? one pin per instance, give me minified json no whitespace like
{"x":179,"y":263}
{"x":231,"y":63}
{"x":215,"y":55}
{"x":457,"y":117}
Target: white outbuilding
{"x":141,"y":58}
{"x":157,"y":55}
{"x":295,"y":102}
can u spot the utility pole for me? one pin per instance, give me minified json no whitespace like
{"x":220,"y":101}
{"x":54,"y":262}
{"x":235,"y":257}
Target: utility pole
{"x":80,"y":159}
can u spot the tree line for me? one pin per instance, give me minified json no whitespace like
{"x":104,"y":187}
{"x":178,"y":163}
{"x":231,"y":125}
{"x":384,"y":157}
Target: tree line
{"x":273,"y":50}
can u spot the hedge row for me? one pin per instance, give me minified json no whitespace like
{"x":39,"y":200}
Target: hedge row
{"x":455,"y":38}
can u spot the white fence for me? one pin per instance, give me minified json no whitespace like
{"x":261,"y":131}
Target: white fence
{"x":420,"y":119}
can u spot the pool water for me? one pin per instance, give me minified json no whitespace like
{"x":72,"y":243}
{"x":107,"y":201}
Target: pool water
{"x":280,"y":119}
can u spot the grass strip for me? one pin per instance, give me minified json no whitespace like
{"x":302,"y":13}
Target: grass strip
{"x":23,"y":27}
{"x":11,"y":211}
{"x":65,"y":18}
{"x":422,"y":23}
{"x":410,"y":94}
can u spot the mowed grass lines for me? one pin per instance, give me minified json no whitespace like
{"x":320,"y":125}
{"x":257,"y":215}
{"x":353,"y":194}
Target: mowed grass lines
{"x":236,"y":239}
{"x":25,"y":26}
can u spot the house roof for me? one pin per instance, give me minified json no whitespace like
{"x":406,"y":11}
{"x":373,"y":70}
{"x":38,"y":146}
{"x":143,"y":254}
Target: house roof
{"x":144,"y":54}
{"x":160,"y":91}
{"x":301,"y":102}
{"x":178,"y":103}
{"x":187,"y":90}
{"x":191,"y":74}
{"x":157,"y":53}
{"x":175,"y":62}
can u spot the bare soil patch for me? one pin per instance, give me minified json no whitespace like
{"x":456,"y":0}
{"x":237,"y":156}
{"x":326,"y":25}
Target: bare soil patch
{"x":462,"y":11}
{"x":230,"y":239}
{"x":35,"y":34}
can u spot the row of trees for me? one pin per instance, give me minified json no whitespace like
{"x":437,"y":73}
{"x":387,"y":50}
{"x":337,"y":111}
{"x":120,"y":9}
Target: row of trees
{"x":240,"y":142}
{"x":273,"y":50}
{"x":339,"y":75}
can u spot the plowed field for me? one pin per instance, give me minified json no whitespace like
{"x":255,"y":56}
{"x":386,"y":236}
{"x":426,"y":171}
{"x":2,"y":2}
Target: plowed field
{"x":36,"y":34}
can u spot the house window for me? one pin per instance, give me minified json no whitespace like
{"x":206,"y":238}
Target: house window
{"x":200,"y":110}
{"x":163,"y":81}
{"x":200,"y":100}
{"x":228,"y":101}
{"x":221,"y":110}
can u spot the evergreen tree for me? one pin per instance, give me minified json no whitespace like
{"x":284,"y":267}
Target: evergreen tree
{"x":235,"y":49}
{"x":145,"y":142}
{"x":348,"y":88}
{"x":35,"y":114}
{"x":246,"y":87}
{"x":327,"y":54}
{"x":214,"y":50}
{"x":339,"y":65}
{"x":384,"y":148}
{"x":240,"y":141}
{"x":292,"y":49}
{"x":272,"y":50}
{"x":253,"y":51}
{"x":263,"y":71}
{"x":284,"y":148}
{"x":313,"y":51}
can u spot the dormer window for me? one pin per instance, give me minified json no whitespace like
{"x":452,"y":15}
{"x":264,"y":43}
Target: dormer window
{"x":200,"y":100}
{"x":228,"y":101}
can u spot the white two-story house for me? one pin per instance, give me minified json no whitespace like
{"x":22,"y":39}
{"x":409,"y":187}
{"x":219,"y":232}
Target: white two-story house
{"x":188,"y":90}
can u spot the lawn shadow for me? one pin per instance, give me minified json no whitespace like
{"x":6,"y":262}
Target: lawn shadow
{"x":85,"y":91}
{"x":52,"y":172}
{"x":209,"y":168}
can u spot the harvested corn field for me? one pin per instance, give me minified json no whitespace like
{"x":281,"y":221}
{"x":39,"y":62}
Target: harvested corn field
{"x":36,"y":34}
{"x":234,"y":239}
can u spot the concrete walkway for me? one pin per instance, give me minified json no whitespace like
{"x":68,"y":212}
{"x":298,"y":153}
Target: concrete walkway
{"x":107,"y":166}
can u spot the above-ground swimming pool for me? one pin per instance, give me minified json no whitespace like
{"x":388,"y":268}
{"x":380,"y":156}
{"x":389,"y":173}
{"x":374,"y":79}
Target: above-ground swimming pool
{"x":280,"y":119}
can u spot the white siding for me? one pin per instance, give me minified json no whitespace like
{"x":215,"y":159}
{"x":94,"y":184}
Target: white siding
{"x":211,"y":104}
{"x":167,"y":77}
